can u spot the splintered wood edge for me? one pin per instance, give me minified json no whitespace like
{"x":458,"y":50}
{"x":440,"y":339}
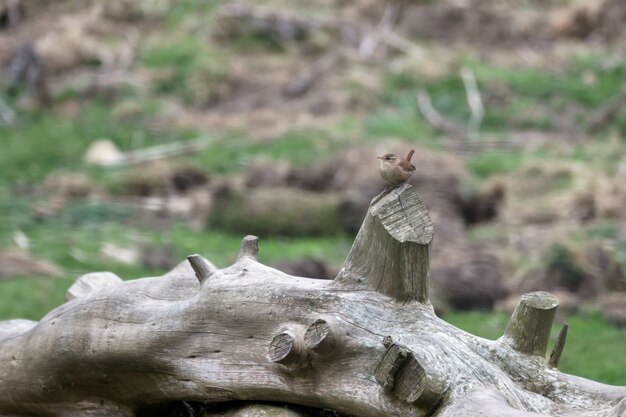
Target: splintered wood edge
{"x":400,"y":373}
{"x":410,"y":380}
{"x":389,"y":364}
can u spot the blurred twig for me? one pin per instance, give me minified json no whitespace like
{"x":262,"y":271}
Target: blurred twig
{"x":7,"y":114}
{"x":475,"y":103}
{"x":370,"y":42}
{"x":29,"y":69}
{"x":404,"y":45}
{"x":153,"y":153}
{"x":448,"y":127}
{"x":164,"y":151}
{"x":432,"y":116}
{"x":303,"y":81}
{"x":14,"y":16}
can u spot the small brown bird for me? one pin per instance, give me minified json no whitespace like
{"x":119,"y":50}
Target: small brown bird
{"x":395,"y":169}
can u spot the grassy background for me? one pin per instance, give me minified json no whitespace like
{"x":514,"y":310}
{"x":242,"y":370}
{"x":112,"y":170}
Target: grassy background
{"x":517,"y":99}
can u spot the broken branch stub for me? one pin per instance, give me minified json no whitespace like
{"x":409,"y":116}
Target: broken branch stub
{"x":400,"y":373}
{"x":389,"y":364}
{"x":557,"y":351}
{"x":201,"y":267}
{"x":249,"y":248}
{"x":285,"y":348}
{"x":410,"y":381}
{"x":319,"y":338}
{"x":529,"y":328}
{"x":391,"y":253}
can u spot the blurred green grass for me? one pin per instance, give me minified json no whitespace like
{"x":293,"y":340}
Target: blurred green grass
{"x":43,"y":142}
{"x":594,"y":347}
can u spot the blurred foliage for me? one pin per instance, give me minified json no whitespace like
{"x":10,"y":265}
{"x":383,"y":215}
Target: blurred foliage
{"x":487,"y":164}
{"x":562,"y":259}
{"x":44,"y":141}
{"x":234,"y":151}
{"x":188,"y":69}
{"x":517,"y":93}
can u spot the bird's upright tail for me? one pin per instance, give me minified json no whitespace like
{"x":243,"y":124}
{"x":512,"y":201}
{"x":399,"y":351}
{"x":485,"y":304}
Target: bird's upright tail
{"x":410,"y":155}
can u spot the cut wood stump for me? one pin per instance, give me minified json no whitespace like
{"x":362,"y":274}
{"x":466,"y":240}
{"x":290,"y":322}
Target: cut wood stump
{"x":367,"y":343}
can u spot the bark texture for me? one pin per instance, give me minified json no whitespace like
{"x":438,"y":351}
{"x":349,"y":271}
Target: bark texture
{"x":367,"y":343}
{"x":391,"y":253}
{"x":528,"y":330}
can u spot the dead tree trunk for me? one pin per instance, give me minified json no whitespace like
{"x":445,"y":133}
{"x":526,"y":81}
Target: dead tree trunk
{"x":367,"y":343}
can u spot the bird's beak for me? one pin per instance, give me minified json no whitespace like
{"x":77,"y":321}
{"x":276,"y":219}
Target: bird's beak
{"x":379,"y":157}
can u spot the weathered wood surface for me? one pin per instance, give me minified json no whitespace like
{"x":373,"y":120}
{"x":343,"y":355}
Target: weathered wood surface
{"x":363,"y":344}
{"x":559,"y":345}
{"x":391,"y":253}
{"x":91,"y":282}
{"x":528,"y":330}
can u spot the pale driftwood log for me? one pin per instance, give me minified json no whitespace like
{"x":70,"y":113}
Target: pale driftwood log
{"x":89,"y":283}
{"x":367,"y":343}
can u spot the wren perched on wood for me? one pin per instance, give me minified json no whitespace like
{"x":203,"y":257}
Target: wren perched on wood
{"x":394,"y":169}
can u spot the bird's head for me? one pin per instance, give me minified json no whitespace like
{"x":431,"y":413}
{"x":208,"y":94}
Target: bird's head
{"x":388,"y":158}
